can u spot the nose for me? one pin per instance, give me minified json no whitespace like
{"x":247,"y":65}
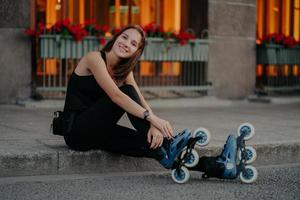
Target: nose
{"x":126,"y":44}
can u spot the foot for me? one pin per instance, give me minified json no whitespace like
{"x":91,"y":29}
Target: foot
{"x":174,"y":148}
{"x":228,"y":158}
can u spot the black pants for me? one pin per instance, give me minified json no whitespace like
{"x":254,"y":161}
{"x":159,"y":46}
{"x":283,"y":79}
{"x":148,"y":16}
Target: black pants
{"x":97,"y":128}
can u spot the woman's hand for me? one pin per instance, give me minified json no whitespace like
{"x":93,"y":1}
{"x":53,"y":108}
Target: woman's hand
{"x":154,"y":137}
{"x":162,"y":125}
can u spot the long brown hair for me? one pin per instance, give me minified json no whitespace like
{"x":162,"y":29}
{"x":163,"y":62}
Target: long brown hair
{"x":125,"y":66}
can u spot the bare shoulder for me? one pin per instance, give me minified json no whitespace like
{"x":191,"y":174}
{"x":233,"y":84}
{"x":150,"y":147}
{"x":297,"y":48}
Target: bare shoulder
{"x":90,"y":60}
{"x":94,"y":57}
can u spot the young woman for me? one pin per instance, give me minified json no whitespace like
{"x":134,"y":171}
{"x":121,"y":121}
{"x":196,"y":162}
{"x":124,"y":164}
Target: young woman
{"x":102,"y":88}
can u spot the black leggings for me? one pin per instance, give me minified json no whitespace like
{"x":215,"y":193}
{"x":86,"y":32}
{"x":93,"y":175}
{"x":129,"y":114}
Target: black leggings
{"x":97,"y":128}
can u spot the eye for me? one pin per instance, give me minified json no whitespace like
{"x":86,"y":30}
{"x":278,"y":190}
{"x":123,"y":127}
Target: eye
{"x":134,"y":44}
{"x":124,"y":36}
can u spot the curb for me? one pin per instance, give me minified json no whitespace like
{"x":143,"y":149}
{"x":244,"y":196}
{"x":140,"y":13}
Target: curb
{"x":72,"y":162}
{"x":208,"y":101}
{"x":273,"y":100}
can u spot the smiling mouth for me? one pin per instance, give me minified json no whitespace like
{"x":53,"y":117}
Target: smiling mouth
{"x":124,"y":49}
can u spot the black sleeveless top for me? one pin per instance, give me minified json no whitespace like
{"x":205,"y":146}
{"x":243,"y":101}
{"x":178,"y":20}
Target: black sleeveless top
{"x":82,"y":91}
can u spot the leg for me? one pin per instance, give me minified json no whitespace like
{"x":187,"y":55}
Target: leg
{"x":209,"y":166}
{"x":129,"y":142}
{"x":222,"y":166}
{"x":137,"y":123}
{"x":92,"y":126}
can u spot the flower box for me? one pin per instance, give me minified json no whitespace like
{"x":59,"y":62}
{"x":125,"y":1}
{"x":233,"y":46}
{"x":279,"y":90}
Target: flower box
{"x":64,"y":47}
{"x":277,"y":54}
{"x":156,"y":49}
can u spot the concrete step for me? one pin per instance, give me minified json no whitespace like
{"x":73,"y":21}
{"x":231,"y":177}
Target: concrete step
{"x":65,"y":161}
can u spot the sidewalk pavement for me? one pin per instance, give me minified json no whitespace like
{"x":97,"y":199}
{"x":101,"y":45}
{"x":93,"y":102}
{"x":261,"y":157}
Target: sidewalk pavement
{"x":28,"y":148}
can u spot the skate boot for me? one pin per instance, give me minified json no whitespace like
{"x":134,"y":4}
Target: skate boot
{"x":228,"y":158}
{"x":188,"y":156}
{"x":234,"y":159}
{"x":173,"y":148}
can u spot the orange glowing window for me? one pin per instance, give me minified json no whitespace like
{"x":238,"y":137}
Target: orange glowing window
{"x":272,"y":70}
{"x":278,"y":16}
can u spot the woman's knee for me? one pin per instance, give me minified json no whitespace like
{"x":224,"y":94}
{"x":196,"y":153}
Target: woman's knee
{"x":131,"y":92}
{"x":127,"y":88}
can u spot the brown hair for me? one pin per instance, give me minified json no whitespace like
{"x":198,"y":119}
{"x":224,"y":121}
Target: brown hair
{"x":121,"y":71}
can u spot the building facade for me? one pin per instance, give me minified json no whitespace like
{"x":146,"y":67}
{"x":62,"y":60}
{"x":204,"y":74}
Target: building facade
{"x":232,"y":29}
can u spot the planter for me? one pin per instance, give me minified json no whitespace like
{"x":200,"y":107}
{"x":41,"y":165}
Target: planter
{"x":277,"y":55}
{"x":64,"y":47}
{"x":157,"y":49}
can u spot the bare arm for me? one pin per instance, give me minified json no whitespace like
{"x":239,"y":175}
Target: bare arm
{"x":130,"y":80}
{"x":97,"y":66}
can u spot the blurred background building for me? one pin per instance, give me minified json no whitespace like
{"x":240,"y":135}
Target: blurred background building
{"x":243,"y":47}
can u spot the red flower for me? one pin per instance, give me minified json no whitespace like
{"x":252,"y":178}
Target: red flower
{"x":102,"y":41}
{"x":184,"y":37}
{"x":150,"y":27}
{"x":66,"y":22}
{"x":279,"y":38}
{"x":77,"y":32}
{"x":289,"y":41}
{"x":97,"y":27}
{"x":30,"y":32}
{"x":116,"y":30}
{"x":105,"y":28}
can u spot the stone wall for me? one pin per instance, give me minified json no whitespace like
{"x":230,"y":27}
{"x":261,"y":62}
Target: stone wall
{"x":232,"y":58}
{"x":15,"y":51}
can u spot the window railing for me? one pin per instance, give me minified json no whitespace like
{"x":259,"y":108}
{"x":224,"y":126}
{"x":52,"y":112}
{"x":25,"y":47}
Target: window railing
{"x":165,"y":65}
{"x":278,"y":69}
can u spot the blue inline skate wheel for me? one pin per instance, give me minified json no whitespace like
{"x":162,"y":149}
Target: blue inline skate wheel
{"x":180,"y":175}
{"x":204,"y":136}
{"x":191,"y":159}
{"x":250,"y":155}
{"x":247,"y":129}
{"x":249,"y":174}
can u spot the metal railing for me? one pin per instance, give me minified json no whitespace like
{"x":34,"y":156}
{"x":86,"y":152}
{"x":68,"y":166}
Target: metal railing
{"x":164,"y":65}
{"x":278,"y":69}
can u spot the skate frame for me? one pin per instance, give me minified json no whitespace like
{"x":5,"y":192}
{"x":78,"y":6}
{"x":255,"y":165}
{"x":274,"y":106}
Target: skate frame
{"x":241,"y":147}
{"x":190,"y":146}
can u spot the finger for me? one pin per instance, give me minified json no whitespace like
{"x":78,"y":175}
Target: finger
{"x":171,"y":134}
{"x":164,"y":135}
{"x":166,"y":132}
{"x":170,"y":130}
{"x":156,"y":142}
{"x":149,"y":137}
{"x":161,"y":142}
{"x":153,"y":142}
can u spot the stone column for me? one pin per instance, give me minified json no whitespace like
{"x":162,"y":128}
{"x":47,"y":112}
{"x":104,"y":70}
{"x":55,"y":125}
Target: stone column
{"x":232,"y":57}
{"x":15,"y":51}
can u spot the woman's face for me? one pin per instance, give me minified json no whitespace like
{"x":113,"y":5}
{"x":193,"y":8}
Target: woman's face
{"x":127,"y":43}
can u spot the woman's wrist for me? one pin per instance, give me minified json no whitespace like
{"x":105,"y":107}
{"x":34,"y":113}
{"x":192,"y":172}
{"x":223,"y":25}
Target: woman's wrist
{"x":150,"y":117}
